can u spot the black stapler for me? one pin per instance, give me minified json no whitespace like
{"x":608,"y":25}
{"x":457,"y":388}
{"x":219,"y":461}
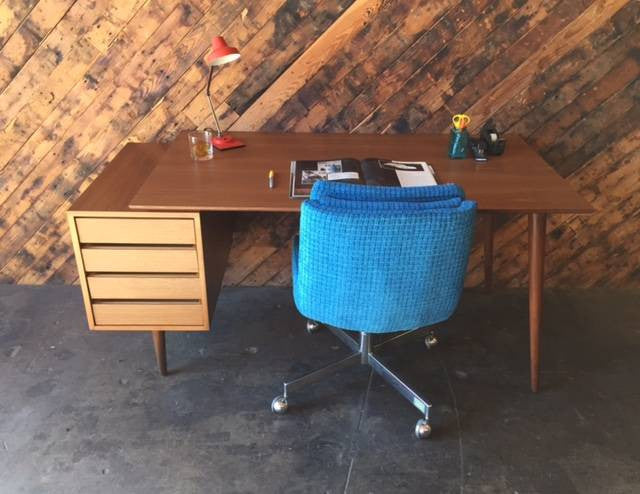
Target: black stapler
{"x":494,"y":143}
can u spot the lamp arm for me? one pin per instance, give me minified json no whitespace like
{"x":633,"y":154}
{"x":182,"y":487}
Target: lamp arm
{"x":213,"y":112}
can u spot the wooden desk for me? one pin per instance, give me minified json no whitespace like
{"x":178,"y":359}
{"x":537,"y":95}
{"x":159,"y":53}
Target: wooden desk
{"x":150,"y":181}
{"x":518,"y":182}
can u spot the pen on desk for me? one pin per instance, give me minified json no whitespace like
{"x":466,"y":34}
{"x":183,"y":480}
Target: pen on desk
{"x":271,"y":179}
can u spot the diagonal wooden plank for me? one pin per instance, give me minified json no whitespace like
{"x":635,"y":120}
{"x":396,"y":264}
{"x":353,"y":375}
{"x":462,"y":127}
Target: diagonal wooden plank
{"x":19,"y":47}
{"x":276,"y":45}
{"x":22,"y":121}
{"x":374,"y":79}
{"x":52,"y":130}
{"x":453,"y":67}
{"x":84,"y":147}
{"x":604,"y":124}
{"x":361,"y":65}
{"x":619,"y":76}
{"x":360,"y":13}
{"x":169,"y":115}
{"x":558,"y":84}
{"x":11,"y":15}
{"x":193,"y":42}
{"x":511,"y":45}
{"x":454,"y":31}
{"x":45,"y":59}
{"x":561,"y":43}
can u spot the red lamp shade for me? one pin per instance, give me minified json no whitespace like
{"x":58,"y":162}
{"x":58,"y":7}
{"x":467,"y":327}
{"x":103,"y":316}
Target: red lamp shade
{"x":221,"y":53}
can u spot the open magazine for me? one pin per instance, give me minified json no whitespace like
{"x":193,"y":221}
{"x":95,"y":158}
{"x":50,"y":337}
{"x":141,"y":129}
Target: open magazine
{"x":370,"y":171}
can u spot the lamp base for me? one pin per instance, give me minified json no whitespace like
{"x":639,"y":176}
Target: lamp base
{"x":226,"y":142}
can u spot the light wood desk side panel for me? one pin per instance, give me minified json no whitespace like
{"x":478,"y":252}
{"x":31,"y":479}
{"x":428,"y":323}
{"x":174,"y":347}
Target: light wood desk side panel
{"x":86,"y":297}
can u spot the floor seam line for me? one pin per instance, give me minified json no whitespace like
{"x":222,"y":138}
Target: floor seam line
{"x":455,"y":409}
{"x":363,"y":406}
{"x":346,"y":484}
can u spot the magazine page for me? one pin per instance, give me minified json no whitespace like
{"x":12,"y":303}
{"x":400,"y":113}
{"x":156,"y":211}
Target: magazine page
{"x":305,"y":173}
{"x":378,"y":171}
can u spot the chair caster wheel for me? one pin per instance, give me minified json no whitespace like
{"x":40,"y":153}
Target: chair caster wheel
{"x":430,"y":340}
{"x":423,"y":429}
{"x":312,"y":326}
{"x":279,"y":405}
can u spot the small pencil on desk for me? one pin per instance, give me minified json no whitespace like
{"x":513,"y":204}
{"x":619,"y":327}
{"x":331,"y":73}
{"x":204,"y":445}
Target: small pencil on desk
{"x":271,"y":179}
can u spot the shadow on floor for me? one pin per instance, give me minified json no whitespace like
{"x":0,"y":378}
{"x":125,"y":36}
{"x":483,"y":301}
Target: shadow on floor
{"x":87,"y":412}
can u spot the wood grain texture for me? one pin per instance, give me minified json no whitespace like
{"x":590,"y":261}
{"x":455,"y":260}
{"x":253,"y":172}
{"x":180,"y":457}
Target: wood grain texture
{"x":80,"y":79}
{"x":140,"y":259}
{"x":136,"y":231}
{"x":141,"y":287}
{"x":129,"y":314}
{"x":516,"y":182}
{"x":120,"y":276}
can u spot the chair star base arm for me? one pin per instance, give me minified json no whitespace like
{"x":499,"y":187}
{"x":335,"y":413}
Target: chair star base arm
{"x":319,"y":374}
{"x":363,"y":355}
{"x":400,"y":386}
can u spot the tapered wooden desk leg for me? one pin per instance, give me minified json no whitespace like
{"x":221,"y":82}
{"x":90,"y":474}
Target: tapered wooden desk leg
{"x":488,"y":252}
{"x":161,"y":351}
{"x":537,"y":224}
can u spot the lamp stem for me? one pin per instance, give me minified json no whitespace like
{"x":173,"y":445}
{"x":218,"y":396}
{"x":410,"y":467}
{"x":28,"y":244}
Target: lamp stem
{"x":213,"y":112}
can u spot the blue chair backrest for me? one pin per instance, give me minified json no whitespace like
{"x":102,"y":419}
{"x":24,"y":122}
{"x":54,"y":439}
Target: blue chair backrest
{"x":382,"y":259}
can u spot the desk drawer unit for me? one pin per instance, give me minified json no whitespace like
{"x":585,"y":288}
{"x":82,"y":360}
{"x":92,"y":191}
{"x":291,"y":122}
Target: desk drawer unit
{"x":141,"y":271}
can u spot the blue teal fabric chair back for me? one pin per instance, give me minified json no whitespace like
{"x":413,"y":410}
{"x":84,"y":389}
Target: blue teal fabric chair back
{"x":382,"y":259}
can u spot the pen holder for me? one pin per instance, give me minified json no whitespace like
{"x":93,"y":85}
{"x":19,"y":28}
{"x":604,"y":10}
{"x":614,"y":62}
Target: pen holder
{"x":458,"y":144}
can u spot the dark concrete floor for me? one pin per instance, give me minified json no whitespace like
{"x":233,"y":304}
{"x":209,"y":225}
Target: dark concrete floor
{"x":87,"y":412}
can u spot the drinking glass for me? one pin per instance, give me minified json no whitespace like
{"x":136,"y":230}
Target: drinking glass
{"x":201,"y":145}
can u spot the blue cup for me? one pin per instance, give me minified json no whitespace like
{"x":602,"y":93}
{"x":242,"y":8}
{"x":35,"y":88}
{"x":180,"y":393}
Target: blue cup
{"x":458,"y":144}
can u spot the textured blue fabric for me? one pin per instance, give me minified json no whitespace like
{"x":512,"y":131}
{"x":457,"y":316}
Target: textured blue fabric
{"x":356,"y":192}
{"x":381,"y":269}
{"x":401,"y":205}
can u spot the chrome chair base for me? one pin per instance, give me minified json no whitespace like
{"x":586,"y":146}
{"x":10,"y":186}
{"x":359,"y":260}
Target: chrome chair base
{"x":363,"y":355}
{"x":312,"y":326}
{"x":430,"y":340}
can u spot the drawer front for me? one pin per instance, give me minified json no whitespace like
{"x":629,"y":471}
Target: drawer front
{"x":148,"y":313}
{"x":169,"y":231}
{"x":140,"y":259}
{"x":142,"y":287}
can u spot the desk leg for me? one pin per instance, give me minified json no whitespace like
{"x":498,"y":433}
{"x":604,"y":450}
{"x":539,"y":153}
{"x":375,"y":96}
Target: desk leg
{"x":161,"y":351}
{"x":537,"y":225}
{"x":488,"y":251}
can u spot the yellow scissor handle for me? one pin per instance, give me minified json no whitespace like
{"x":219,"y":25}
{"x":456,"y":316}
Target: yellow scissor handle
{"x":460,"y":121}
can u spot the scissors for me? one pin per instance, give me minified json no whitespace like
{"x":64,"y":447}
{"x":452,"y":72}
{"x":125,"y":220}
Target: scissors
{"x":460,"y":121}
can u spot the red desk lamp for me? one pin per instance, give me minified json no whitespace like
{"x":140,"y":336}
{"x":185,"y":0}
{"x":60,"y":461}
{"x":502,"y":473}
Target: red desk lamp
{"x":220,"y":54}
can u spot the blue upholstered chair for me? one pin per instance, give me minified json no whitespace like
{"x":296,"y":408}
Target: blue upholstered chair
{"x":379,"y":260}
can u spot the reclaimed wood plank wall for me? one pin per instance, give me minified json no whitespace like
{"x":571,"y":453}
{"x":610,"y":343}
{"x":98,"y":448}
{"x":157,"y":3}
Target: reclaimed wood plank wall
{"x":80,"y":78}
